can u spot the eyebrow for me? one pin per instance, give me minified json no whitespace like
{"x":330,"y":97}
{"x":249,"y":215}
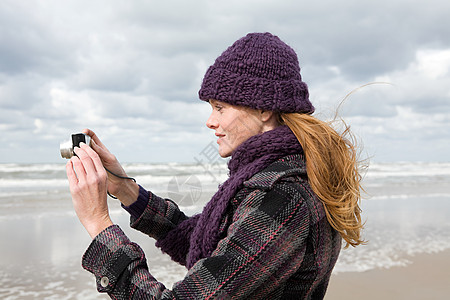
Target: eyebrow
{"x":213,"y":102}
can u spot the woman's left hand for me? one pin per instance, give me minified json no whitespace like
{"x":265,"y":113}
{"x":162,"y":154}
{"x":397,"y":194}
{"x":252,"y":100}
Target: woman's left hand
{"x":87,"y":181}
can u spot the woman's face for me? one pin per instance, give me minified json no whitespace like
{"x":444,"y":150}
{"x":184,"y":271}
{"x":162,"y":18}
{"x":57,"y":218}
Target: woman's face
{"x":233,"y":125}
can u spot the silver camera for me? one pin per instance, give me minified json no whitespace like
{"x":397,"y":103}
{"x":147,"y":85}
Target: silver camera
{"x":66,"y":147}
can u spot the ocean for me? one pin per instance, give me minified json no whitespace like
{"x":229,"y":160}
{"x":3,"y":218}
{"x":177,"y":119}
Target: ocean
{"x":405,"y":208}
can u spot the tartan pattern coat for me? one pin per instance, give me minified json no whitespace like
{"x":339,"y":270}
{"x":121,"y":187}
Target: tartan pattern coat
{"x":277,"y":244}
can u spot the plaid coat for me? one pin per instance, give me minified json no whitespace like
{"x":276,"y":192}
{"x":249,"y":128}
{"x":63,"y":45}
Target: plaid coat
{"x":277,"y":244}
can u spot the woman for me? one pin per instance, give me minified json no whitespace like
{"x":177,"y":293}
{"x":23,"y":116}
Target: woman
{"x":274,"y":228}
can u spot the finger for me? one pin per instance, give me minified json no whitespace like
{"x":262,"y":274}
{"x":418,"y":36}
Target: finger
{"x":98,"y":146}
{"x":78,"y":168}
{"x":103,"y":152}
{"x":94,"y":137}
{"x":73,"y":180}
{"x":94,"y":157}
{"x":85,"y":158}
{"x":88,"y":132}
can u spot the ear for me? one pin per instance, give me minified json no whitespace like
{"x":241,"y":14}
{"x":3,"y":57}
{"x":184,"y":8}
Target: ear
{"x":266,"y":115}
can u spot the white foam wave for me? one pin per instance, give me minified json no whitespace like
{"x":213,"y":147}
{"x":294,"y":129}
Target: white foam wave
{"x":203,"y":179}
{"x":398,"y":254}
{"x":407,"y":169}
{"x":9,"y":168}
{"x":176,"y":168}
{"x":374,"y":170}
{"x":22,"y":194}
{"x":29,"y":183}
{"x":409,"y":196}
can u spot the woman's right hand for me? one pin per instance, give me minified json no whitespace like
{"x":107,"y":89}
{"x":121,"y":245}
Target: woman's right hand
{"x":125,"y":189}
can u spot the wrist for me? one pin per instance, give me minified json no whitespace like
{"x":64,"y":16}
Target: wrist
{"x":138,"y":207}
{"x":128,"y":193}
{"x":95,"y":228}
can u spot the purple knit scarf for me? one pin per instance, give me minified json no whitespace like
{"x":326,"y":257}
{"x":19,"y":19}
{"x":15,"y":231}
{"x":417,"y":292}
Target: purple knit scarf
{"x":198,"y":236}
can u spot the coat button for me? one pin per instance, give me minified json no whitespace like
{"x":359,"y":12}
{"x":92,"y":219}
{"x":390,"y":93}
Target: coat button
{"x":104,"y":281}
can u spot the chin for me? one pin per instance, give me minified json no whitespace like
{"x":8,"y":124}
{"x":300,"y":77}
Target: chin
{"x":224,"y":153}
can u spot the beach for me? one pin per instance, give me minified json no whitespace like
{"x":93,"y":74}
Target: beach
{"x":407,"y":229}
{"x":426,"y":277}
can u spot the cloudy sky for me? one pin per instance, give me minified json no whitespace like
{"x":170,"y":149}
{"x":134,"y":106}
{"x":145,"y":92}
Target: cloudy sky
{"x":131,"y":70}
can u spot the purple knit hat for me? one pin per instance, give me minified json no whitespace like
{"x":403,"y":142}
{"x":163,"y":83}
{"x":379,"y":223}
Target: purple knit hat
{"x":259,"y":71}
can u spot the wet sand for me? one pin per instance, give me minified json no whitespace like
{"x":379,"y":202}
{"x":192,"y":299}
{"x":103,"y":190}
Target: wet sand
{"x":42,"y":261}
{"x":426,"y":277}
{"x":42,"y":245}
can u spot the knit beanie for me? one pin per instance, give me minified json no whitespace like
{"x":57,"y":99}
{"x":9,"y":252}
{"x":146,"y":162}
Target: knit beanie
{"x":259,"y":71}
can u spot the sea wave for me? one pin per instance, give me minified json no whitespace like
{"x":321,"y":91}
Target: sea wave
{"x":389,"y":254}
{"x":24,"y":168}
{"x":24,"y":183}
{"x":408,"y":169}
{"x":375,"y":170}
{"x":410,"y":196}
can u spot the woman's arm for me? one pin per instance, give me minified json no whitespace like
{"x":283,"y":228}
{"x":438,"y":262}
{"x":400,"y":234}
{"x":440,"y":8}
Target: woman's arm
{"x":127,"y":191}
{"x":87,"y":182}
{"x":265,"y":245}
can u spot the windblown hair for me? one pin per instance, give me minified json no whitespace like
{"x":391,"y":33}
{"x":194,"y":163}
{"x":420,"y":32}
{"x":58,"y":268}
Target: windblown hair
{"x":333,"y":171}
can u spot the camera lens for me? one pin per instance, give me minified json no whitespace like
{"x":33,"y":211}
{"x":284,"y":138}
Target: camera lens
{"x":66,"y":147}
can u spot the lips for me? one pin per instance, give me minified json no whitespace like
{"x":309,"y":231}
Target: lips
{"x":219,"y":136}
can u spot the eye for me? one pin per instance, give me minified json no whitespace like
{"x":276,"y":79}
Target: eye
{"x":219,"y":107}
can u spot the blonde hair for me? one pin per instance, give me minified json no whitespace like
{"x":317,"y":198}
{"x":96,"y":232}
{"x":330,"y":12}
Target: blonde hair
{"x":333,"y":171}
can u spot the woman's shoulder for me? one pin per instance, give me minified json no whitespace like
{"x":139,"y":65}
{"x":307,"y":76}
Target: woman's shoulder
{"x":277,"y":190}
{"x":288,"y":167}
{"x":280,"y":187}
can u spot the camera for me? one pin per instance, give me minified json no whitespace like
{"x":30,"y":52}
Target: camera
{"x":66,"y":147}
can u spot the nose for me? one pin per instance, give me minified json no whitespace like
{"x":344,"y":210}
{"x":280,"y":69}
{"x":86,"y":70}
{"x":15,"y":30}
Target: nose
{"x":212,"y":122}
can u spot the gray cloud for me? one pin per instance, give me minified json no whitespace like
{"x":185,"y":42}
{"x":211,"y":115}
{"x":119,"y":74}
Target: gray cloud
{"x":131,"y":70}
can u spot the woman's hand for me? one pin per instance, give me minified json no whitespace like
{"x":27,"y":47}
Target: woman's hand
{"x":87,"y":181}
{"x":126,"y":190}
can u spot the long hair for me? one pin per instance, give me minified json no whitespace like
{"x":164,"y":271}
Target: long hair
{"x":333,"y":171}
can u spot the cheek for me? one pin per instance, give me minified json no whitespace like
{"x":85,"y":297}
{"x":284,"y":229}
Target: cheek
{"x":238,"y":132}
{"x":232,"y":127}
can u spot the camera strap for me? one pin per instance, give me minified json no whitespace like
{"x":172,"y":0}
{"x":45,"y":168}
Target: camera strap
{"x":119,"y":176}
